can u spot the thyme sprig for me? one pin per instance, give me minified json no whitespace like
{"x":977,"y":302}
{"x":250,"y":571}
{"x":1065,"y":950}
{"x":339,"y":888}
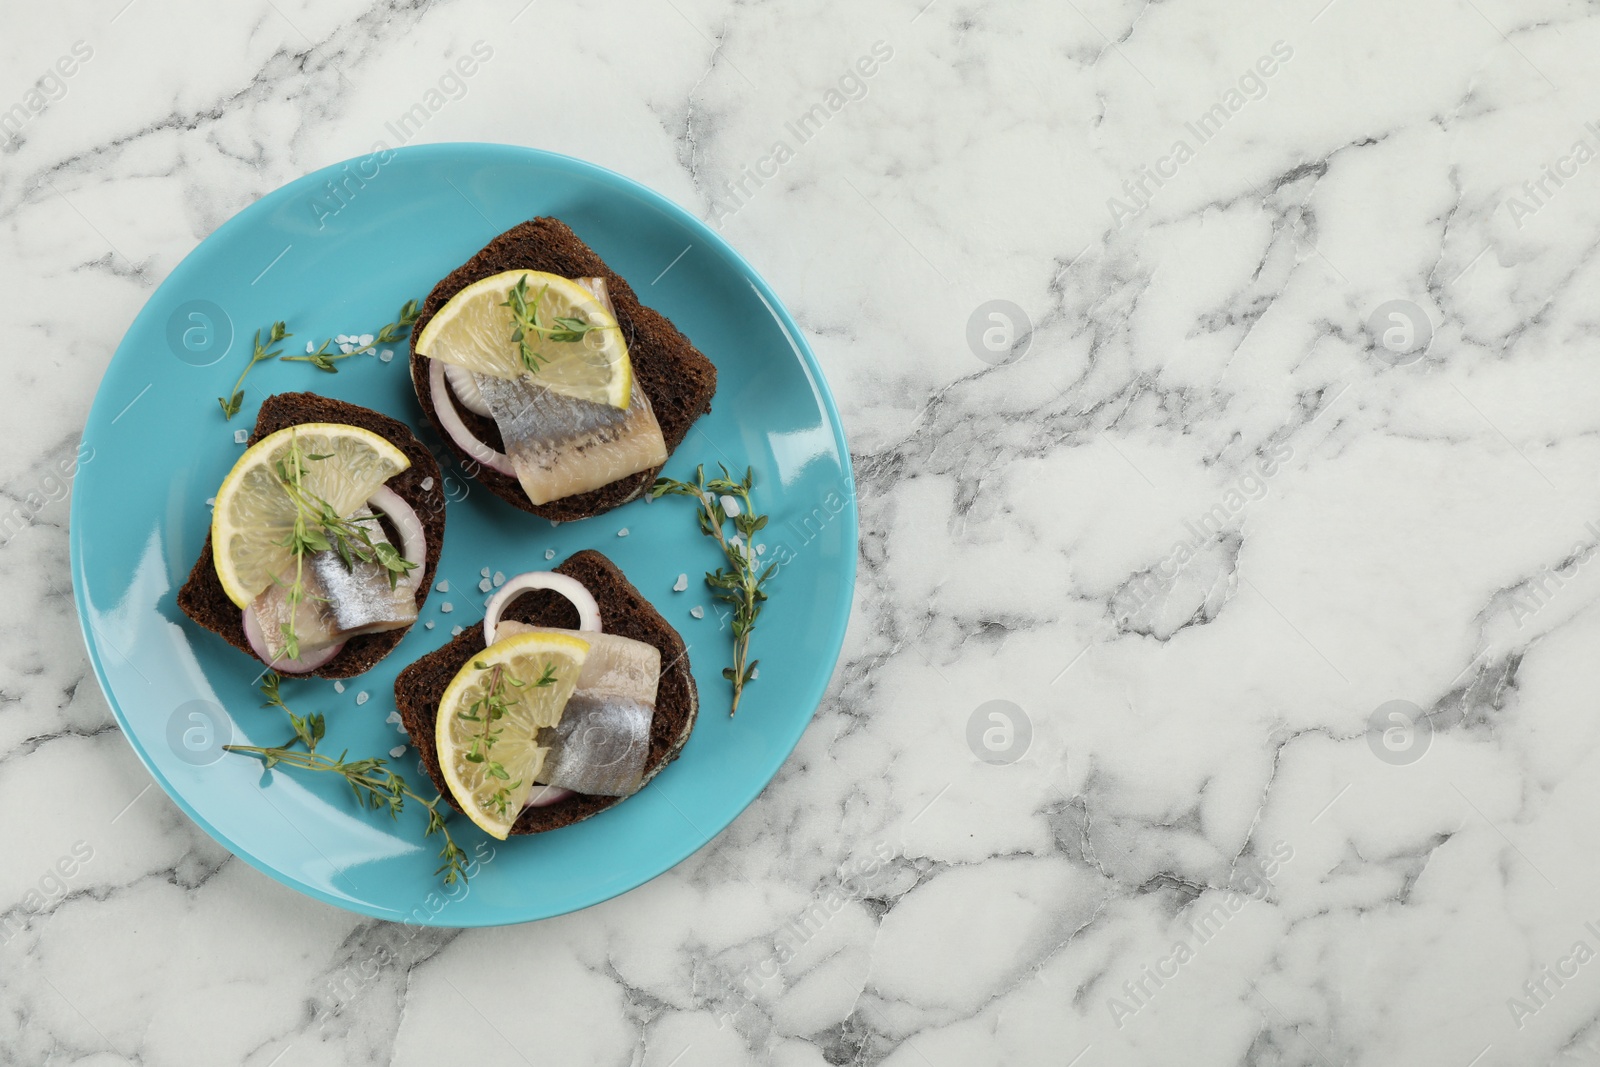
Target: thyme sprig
{"x":277,"y":332}
{"x":318,"y":528}
{"x":374,"y":785}
{"x":490,"y":709}
{"x":740,"y":584}
{"x":526,"y":323}
{"x":324,"y":356}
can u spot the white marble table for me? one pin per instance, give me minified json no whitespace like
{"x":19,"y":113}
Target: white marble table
{"x":1264,"y":510}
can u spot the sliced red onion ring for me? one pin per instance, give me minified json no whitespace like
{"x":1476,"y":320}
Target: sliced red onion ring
{"x":571,"y":588}
{"x":545,"y":795}
{"x":304,"y":665}
{"x":451,"y":418}
{"x":465,"y":389}
{"x":413,"y":537}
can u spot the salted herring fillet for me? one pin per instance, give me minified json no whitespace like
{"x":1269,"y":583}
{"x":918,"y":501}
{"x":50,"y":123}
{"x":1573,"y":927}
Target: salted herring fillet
{"x":616,"y":665}
{"x":599,"y":747}
{"x":339,"y":603}
{"x":602,"y":741}
{"x":561,"y":446}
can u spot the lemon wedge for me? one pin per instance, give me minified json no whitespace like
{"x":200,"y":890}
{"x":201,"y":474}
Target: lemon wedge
{"x":490,"y":763}
{"x":475,"y":330}
{"x":254,"y":512}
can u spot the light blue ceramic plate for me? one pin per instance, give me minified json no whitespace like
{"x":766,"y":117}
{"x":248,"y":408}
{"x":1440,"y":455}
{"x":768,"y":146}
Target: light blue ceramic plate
{"x":338,"y":251}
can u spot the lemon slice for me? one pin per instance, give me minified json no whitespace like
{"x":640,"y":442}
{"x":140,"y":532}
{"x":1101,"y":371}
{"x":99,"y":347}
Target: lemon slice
{"x":253,"y":511}
{"x":491,"y":801}
{"x":474,"y":330}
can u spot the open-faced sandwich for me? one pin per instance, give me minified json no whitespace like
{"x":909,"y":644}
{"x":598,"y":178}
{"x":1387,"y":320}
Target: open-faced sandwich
{"x":323,"y":538}
{"x":553,"y":383}
{"x":573,"y":694}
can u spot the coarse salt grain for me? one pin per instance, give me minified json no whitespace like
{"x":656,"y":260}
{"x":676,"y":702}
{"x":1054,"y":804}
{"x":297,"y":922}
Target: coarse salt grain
{"x":241,"y":436}
{"x":484,"y":572}
{"x":485,"y":585}
{"x":362,"y":697}
{"x":427,"y":483}
{"x":622,"y":532}
{"x":549,"y":553}
{"x":338,"y":687}
{"x":681,"y":584}
{"x":730,"y":506}
{"x":698,"y":612}
{"x":394,"y":716}
{"x":397,"y":751}
{"x":447,"y":607}
{"x":442,"y":587}
{"x":386,"y":355}
{"x":455,"y":631}
{"x":499,"y":578}
{"x":428,"y":625}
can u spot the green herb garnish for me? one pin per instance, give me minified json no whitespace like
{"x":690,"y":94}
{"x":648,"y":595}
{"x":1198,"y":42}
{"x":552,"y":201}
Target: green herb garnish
{"x":374,"y":785}
{"x":525,"y":323}
{"x":318,"y":528}
{"x":323,"y":357}
{"x":230,"y":407}
{"x":740,"y":585}
{"x":489,"y":709}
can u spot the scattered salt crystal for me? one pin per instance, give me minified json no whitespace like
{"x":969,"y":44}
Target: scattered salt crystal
{"x":447,"y":607}
{"x":364,"y":340}
{"x":455,"y":631}
{"x":310,"y":348}
{"x":428,"y":625}
{"x":554,"y":523}
{"x":338,"y":687}
{"x":341,"y":338}
{"x":755,"y":672}
{"x":681,"y":584}
{"x":241,"y":436}
{"x":761,"y":550}
{"x":484,"y":572}
{"x":362,"y":697}
{"x":485,"y":585}
{"x":549,"y":553}
{"x":394,"y":716}
{"x":347,"y":348}
{"x":397,"y":751}
{"x":386,"y":355}
{"x":649,"y":497}
{"x":422,"y":768}
{"x":443,"y":587}
{"x":698,"y":612}
{"x":400,"y":729}
{"x":499,"y":578}
{"x":730,"y":506}
{"x":211,"y":501}
{"x":427,"y":483}
{"x":622,"y":532}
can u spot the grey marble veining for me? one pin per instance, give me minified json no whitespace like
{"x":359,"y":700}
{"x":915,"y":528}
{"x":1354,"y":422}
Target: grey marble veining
{"x":1221,"y":384}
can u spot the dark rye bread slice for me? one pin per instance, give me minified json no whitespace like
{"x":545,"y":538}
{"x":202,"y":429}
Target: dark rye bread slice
{"x":677,"y":378}
{"x":623,"y":611}
{"x":202,"y":598}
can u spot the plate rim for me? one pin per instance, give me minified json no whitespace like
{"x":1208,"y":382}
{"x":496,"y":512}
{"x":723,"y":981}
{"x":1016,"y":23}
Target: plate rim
{"x":834,"y":636}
